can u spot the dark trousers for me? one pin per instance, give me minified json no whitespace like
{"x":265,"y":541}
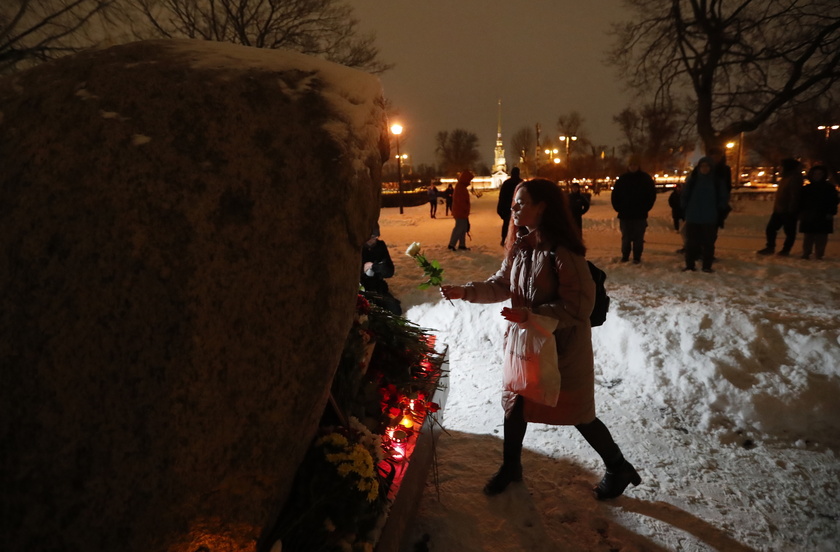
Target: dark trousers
{"x":505,"y":225}
{"x":595,"y":432}
{"x":632,"y":237}
{"x":459,"y":233}
{"x":786,"y":221}
{"x":817,"y":242}
{"x":700,"y":243}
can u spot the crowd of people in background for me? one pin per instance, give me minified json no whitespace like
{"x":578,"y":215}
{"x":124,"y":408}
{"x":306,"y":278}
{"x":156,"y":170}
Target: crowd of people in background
{"x":699,"y":207}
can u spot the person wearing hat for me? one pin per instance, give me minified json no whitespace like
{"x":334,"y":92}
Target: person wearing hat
{"x":704,"y":197}
{"x":461,"y":211}
{"x":632,"y":198}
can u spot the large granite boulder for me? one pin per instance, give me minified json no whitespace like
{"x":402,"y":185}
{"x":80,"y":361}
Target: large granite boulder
{"x":179,"y":260}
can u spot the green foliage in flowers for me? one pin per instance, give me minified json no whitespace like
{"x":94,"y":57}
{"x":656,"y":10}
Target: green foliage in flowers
{"x":340,"y":490}
{"x":400,"y":347}
{"x":431,"y":269}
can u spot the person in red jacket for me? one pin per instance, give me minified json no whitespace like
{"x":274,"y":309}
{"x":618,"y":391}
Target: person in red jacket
{"x":461,"y":211}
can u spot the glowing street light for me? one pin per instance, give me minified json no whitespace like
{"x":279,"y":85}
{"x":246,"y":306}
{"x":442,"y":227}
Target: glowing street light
{"x":396,"y":130}
{"x":568,"y":140}
{"x":828,"y":129}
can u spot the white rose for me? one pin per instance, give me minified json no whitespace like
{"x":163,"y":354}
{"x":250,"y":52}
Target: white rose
{"x":413,"y":249}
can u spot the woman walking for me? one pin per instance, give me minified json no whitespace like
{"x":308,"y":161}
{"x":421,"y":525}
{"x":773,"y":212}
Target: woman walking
{"x":545,"y":272}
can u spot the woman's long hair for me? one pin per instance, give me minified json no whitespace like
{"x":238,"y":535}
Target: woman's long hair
{"x":556,"y":226}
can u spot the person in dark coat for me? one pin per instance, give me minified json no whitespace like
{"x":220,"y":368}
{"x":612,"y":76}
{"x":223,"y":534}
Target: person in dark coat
{"x":376,"y":266}
{"x":633,"y":197}
{"x":432,"y":192}
{"x":677,"y":213}
{"x":505,"y":199}
{"x":785,"y":208}
{"x":579,"y":203}
{"x":705,"y":196}
{"x":818,"y":207}
{"x":447,"y":196}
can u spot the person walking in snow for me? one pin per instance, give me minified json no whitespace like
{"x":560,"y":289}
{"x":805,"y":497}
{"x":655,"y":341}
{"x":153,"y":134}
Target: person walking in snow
{"x":447,"y":196}
{"x":819,"y":205}
{"x":785,"y":208}
{"x":505,"y":199}
{"x":461,"y":211}
{"x":545,"y":272}
{"x":432,"y":192}
{"x":633,"y":197}
{"x":704,"y":198}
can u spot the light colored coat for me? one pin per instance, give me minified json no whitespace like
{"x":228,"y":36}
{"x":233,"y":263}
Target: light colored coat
{"x":566,"y":292}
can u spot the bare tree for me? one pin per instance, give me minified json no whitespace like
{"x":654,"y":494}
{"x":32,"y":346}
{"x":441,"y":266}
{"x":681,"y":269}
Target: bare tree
{"x":34,"y":31}
{"x":457,"y":151}
{"x":655,"y":133}
{"x":524,"y":143}
{"x":740,"y":61}
{"x":576,"y":139}
{"x":797,"y":133}
{"x":324,"y":28}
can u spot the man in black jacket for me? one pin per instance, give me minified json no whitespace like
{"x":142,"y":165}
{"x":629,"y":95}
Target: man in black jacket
{"x":633,"y":197}
{"x":506,"y":199}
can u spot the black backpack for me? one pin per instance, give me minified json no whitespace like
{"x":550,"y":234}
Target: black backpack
{"x":602,"y":300}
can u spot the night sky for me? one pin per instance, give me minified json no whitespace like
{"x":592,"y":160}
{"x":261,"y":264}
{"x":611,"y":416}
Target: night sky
{"x":454,"y":59}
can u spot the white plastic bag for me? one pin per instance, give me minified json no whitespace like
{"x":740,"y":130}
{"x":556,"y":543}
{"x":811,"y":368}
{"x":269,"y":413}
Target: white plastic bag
{"x":530,"y":360}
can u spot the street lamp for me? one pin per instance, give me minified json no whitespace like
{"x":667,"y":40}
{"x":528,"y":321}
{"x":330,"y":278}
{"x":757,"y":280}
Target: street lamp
{"x":396,"y":130}
{"x":568,"y":140}
{"x":828,"y":129}
{"x":740,"y":144}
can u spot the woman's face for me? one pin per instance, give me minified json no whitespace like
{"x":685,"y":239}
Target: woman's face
{"x":524,"y":211}
{"x":704,"y":168}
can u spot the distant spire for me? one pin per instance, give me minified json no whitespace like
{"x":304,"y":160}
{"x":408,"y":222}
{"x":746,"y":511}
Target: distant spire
{"x":500,"y":163}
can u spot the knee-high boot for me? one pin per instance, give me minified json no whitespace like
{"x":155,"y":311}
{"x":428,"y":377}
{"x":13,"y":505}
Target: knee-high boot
{"x":514,"y":433}
{"x":620,"y":472}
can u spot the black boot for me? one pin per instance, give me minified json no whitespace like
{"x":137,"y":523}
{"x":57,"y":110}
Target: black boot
{"x":511,"y":470}
{"x":506,"y":475}
{"x":616,"y":480}
{"x":619,"y":471}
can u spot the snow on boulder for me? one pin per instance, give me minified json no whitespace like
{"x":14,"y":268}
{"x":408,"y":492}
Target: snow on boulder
{"x":182,"y":222}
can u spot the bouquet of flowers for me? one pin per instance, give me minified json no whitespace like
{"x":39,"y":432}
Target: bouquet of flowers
{"x":432,"y":269}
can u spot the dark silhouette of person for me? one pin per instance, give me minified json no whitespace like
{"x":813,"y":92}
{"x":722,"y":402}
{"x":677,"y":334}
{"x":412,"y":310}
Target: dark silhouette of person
{"x":432,"y":192}
{"x":632,"y":198}
{"x":677,"y":213}
{"x":447,"y":197}
{"x":579,"y":203}
{"x":819,"y":205}
{"x":376,"y":266}
{"x":785,"y":209}
{"x":505,"y":200}
{"x":704,"y":197}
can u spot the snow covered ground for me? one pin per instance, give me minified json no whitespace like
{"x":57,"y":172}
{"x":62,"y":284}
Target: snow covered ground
{"x":722,"y":389}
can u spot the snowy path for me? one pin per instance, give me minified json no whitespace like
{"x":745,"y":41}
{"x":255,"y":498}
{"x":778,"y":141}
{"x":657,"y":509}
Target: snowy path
{"x":721,"y":388}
